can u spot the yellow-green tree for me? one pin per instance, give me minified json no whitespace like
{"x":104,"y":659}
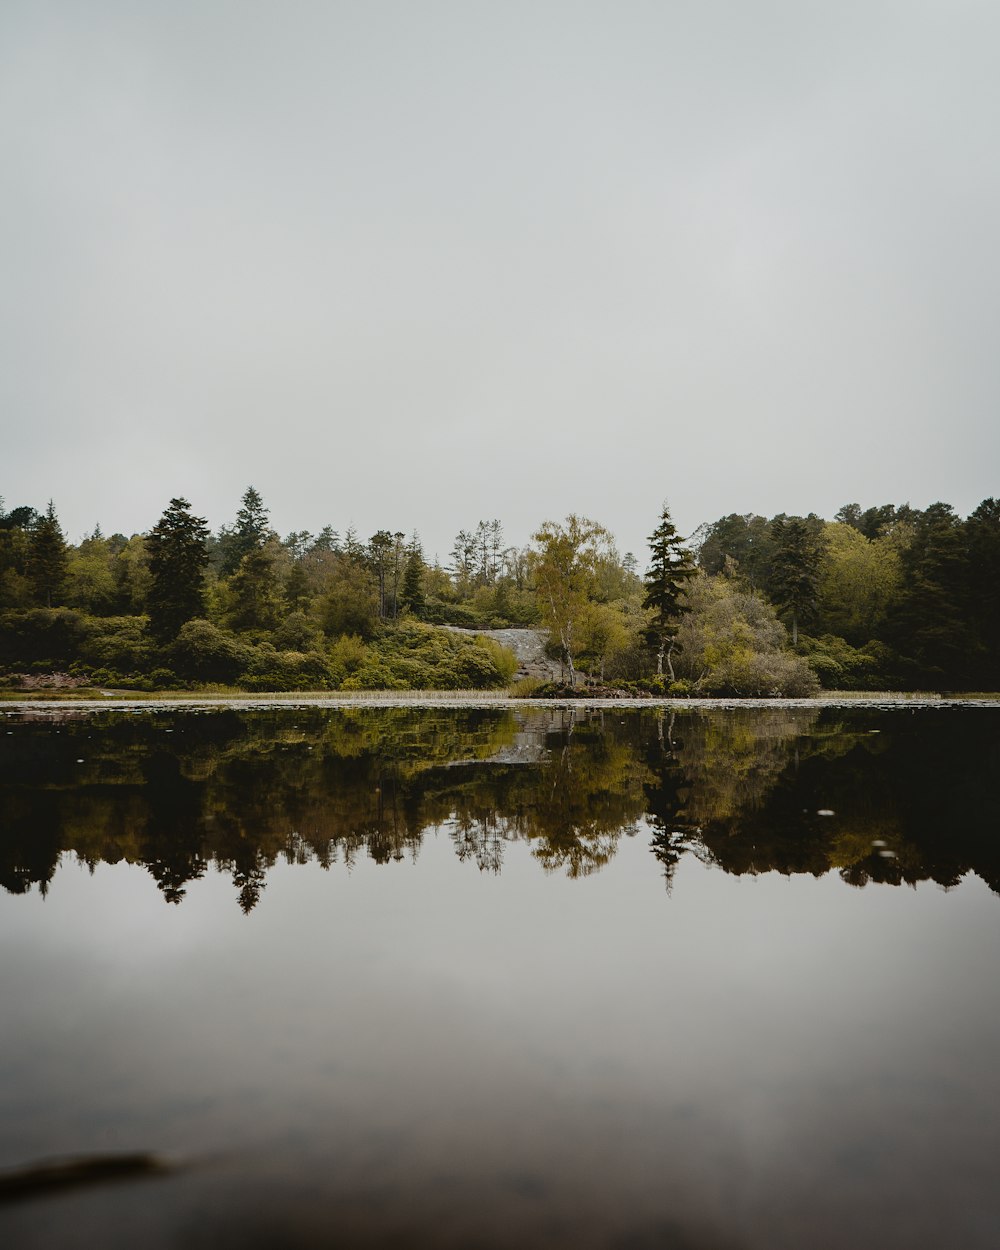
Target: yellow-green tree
{"x":565,"y":563}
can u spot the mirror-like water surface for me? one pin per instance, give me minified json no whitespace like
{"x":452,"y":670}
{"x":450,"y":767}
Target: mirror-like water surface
{"x":472,"y":977}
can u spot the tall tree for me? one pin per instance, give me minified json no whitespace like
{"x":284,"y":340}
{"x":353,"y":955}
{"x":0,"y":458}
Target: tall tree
{"x":413,"y":578}
{"x":565,"y":564}
{"x":983,"y":543}
{"x":250,"y":532}
{"x":47,"y":557}
{"x":735,"y":542}
{"x":670,"y":569}
{"x":380,"y":559}
{"x":254,"y":590}
{"x":795,"y":569}
{"x":930,"y":622}
{"x":177,"y":557}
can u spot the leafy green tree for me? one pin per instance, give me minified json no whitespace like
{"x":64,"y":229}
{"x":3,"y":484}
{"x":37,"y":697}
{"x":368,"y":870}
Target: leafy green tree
{"x":131,"y":577}
{"x":670,"y":570}
{"x":177,"y":559}
{"x":90,"y":576}
{"x":737,"y":542}
{"x":16,"y":528}
{"x":47,"y":558}
{"x":565,"y":564}
{"x":732,"y":643}
{"x":859,"y":580}
{"x":350,"y":603}
{"x":795,"y":567}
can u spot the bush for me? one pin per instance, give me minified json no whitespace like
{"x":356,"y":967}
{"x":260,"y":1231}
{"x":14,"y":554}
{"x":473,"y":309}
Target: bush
{"x":270,"y":669}
{"x":297,"y":632}
{"x":203,"y":652}
{"x":118,"y":643}
{"x":42,"y":638}
{"x":839,"y":666}
{"x":415,"y":656}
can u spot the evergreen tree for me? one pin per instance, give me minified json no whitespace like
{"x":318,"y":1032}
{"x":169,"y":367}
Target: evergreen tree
{"x":930,"y":624}
{"x":254,"y":592}
{"x":795,"y":566}
{"x":250,"y":532}
{"x":670,"y":569}
{"x":297,"y":592}
{"x":47,"y":558}
{"x":177,"y":558}
{"x":413,"y":580}
{"x":983,"y":541}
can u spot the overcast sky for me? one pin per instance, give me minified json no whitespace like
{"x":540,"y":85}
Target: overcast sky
{"x":412,"y":264}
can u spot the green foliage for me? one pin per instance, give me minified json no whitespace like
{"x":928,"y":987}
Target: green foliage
{"x":253,"y":594}
{"x":890,"y":595}
{"x":732,"y":644}
{"x":118,"y":645}
{"x":297,"y":632}
{"x":737,"y":543}
{"x":565,"y":565}
{"x":795,"y":567}
{"x":414,"y":656}
{"x":42,"y":638}
{"x":47,"y":559}
{"x":839,"y":666}
{"x":859,"y":579}
{"x":204,"y":652}
{"x":177,"y":559}
{"x":413,"y":582}
{"x":90,"y":584}
{"x":350,"y":603}
{"x":670,"y":570}
{"x":271,"y":669}
{"x":250,"y":532}
{"x":930,"y":625}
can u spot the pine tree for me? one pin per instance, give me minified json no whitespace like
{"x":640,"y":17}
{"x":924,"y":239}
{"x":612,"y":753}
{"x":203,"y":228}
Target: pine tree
{"x":250,"y":532}
{"x":794,"y":580}
{"x":177,"y":559}
{"x":413,"y":580}
{"x":47,"y":558}
{"x":670,"y":569}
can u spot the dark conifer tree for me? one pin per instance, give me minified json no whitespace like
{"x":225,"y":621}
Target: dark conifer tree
{"x":794,"y":579}
{"x":47,"y":558}
{"x":177,"y":558}
{"x":670,"y":569}
{"x":930,"y":625}
{"x":413,"y":581}
{"x":250,"y":532}
{"x":982,"y":531}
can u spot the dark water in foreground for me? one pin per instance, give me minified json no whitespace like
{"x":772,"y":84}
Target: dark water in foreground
{"x":384,"y":977}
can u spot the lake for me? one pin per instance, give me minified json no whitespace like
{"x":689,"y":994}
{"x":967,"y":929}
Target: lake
{"x":486,"y":977}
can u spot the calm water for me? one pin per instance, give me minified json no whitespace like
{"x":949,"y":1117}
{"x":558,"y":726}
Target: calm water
{"x":386,"y":977}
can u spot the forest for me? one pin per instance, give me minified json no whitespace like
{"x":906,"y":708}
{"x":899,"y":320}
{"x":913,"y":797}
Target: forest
{"x":888,"y":597}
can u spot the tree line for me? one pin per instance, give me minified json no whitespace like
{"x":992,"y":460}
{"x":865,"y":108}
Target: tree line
{"x":888,"y":596}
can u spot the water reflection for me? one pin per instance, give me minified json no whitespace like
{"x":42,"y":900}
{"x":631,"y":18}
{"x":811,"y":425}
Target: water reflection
{"x":890,"y":796}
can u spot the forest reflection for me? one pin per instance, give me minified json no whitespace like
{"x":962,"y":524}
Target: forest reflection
{"x":890,"y":796}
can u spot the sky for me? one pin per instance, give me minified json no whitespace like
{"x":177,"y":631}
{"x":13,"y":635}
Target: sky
{"x":406,"y":264}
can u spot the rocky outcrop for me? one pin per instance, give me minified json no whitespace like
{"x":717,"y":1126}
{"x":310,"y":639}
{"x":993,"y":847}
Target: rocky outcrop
{"x":529,"y":647}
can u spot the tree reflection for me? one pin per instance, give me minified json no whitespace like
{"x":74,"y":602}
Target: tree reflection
{"x":912,"y":797}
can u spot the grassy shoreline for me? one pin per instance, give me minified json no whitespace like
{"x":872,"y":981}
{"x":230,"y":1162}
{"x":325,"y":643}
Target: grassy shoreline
{"x":89,"y":699}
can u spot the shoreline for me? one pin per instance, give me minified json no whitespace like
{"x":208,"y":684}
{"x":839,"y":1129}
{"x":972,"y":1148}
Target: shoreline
{"x":450,"y":699}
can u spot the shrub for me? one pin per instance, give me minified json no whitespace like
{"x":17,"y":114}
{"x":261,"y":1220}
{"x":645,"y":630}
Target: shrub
{"x":204,"y":652}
